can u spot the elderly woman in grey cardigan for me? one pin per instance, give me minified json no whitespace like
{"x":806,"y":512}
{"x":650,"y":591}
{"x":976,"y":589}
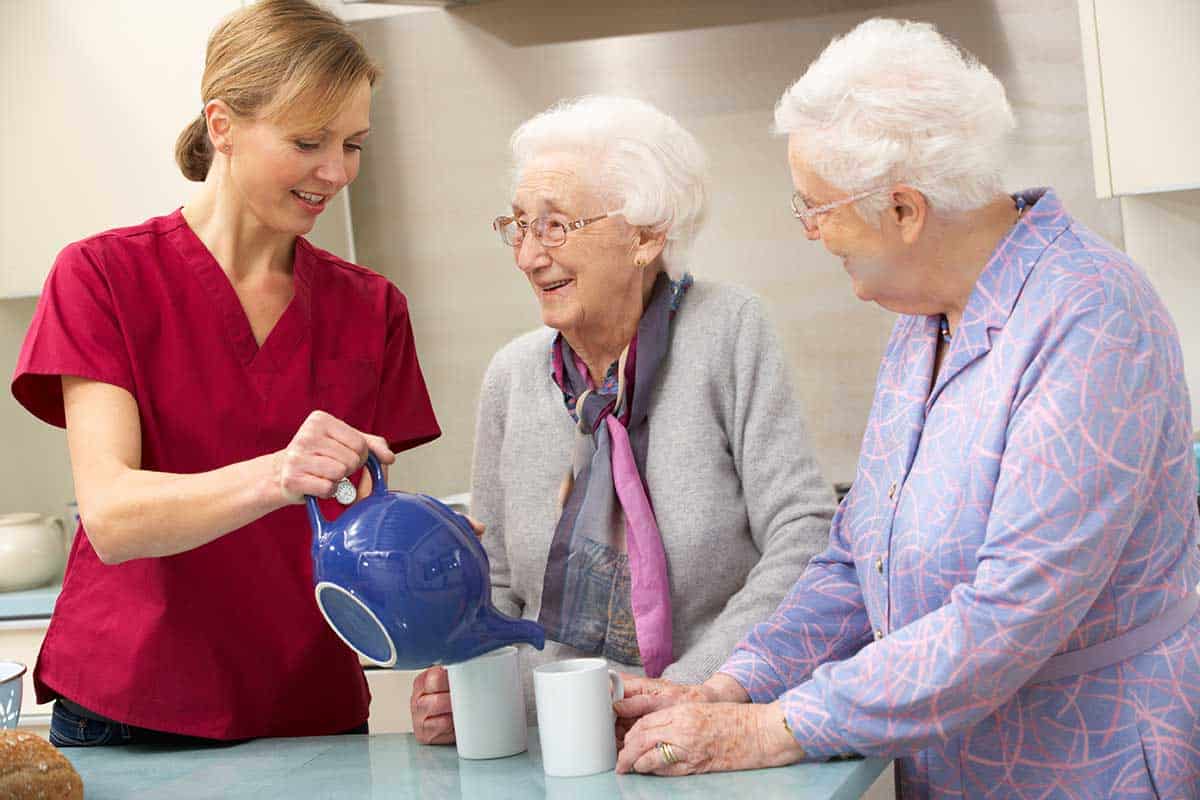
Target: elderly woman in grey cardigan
{"x":641,"y":463}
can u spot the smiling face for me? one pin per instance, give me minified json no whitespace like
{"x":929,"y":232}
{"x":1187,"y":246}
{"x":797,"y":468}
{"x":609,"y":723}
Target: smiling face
{"x":285,"y":177}
{"x":590,"y":281}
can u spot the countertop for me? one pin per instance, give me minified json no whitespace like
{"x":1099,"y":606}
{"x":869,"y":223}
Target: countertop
{"x":396,"y":766}
{"x":31,"y":603}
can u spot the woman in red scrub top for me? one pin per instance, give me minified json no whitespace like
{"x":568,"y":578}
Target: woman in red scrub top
{"x":211,"y":368}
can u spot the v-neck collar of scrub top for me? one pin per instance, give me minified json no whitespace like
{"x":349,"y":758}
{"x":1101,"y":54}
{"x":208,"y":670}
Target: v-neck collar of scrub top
{"x":998,"y":288}
{"x":289,"y":330}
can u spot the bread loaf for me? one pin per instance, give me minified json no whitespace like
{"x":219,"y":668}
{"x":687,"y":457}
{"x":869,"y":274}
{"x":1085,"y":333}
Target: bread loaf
{"x":32,"y":769}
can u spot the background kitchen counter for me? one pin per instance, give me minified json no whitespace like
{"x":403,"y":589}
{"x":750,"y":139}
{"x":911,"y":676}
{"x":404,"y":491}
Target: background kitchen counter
{"x":31,"y":603}
{"x":396,"y":766}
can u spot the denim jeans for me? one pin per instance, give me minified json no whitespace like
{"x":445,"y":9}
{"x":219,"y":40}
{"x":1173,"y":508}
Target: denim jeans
{"x":69,"y":728}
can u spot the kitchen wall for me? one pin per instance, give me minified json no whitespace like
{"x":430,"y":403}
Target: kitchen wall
{"x":35,"y":473}
{"x":93,"y":95}
{"x":458,"y":83}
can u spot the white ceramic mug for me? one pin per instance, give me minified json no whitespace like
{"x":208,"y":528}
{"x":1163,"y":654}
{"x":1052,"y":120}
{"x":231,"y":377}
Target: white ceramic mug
{"x":576,"y":721}
{"x":488,"y":705}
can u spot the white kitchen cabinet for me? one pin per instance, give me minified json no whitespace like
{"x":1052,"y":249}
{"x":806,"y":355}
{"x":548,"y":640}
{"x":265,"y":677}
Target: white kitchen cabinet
{"x":1142,"y":66}
{"x":94,"y":95}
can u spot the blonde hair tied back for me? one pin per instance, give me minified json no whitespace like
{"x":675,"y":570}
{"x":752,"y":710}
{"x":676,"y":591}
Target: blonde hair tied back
{"x":277,"y":59}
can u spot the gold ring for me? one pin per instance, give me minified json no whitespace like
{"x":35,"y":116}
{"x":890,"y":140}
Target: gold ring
{"x":668,"y":754}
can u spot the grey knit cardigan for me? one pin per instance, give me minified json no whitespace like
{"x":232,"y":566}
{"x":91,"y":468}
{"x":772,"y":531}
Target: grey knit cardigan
{"x":739,"y":499}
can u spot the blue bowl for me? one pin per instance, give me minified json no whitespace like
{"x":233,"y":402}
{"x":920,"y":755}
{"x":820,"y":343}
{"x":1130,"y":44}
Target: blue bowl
{"x":11,"y":673}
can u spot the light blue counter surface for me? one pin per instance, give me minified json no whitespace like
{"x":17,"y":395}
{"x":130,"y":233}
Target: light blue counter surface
{"x":396,"y":766}
{"x":35,"y":603}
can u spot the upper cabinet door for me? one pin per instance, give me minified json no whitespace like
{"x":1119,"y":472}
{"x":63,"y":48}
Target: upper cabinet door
{"x":1142,"y":63}
{"x":92,"y":97}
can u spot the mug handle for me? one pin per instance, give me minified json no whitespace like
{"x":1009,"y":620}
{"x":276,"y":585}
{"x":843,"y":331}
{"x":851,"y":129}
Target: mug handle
{"x":616,"y":685}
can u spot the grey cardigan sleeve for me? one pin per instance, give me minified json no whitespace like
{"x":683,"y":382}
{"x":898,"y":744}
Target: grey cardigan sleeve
{"x":487,"y":489}
{"x":788,"y":502}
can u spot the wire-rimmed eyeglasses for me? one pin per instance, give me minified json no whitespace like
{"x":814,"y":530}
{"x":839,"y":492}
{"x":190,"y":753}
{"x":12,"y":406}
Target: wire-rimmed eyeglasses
{"x":810,"y":216}
{"x":550,"y":232}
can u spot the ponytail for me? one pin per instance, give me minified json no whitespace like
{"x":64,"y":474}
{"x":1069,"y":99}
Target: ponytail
{"x":193,"y":150}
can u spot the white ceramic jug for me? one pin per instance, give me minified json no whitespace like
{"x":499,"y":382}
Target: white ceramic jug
{"x":32,"y":550}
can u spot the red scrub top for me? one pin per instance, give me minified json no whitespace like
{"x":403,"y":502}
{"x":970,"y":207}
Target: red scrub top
{"x":224,"y":641}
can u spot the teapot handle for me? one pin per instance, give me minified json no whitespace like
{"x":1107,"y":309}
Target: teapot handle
{"x":378,"y":487}
{"x":378,"y":482}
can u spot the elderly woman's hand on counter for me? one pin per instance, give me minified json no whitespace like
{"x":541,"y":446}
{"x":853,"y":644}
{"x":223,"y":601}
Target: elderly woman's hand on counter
{"x":655,"y":709}
{"x":709,"y":737}
{"x":646,"y":695}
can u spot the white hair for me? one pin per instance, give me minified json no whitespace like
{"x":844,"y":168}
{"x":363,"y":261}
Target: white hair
{"x":894,"y":101}
{"x":645,"y":165}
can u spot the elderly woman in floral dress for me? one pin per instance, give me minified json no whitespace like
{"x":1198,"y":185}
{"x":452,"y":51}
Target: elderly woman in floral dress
{"x":1007,"y":603}
{"x":640,"y":462}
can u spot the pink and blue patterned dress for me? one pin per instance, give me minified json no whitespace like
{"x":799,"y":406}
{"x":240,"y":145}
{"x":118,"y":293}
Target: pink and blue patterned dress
{"x":1037,"y":498}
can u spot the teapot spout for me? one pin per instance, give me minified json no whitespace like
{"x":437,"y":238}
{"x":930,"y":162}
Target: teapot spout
{"x":492,"y":630}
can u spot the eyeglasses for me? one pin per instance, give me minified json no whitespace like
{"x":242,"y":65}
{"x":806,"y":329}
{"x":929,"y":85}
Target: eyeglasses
{"x":808,"y":216}
{"x":550,"y":232}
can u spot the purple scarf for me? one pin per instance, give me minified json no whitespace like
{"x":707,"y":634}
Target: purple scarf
{"x":606,"y":589}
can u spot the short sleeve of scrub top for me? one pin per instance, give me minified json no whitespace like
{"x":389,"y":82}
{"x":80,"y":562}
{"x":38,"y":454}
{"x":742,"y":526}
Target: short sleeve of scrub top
{"x":75,"y":331}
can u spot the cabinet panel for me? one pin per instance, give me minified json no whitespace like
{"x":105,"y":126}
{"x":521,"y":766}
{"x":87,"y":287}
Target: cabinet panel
{"x":94,"y":95}
{"x":1143,"y":72}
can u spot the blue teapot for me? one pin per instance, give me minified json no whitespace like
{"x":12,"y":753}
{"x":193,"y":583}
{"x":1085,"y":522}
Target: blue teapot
{"x":403,"y":580}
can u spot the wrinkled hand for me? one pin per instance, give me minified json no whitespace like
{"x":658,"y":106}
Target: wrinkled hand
{"x":709,"y":737}
{"x":647,"y":695}
{"x":432,"y":720}
{"x":323,"y":451}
